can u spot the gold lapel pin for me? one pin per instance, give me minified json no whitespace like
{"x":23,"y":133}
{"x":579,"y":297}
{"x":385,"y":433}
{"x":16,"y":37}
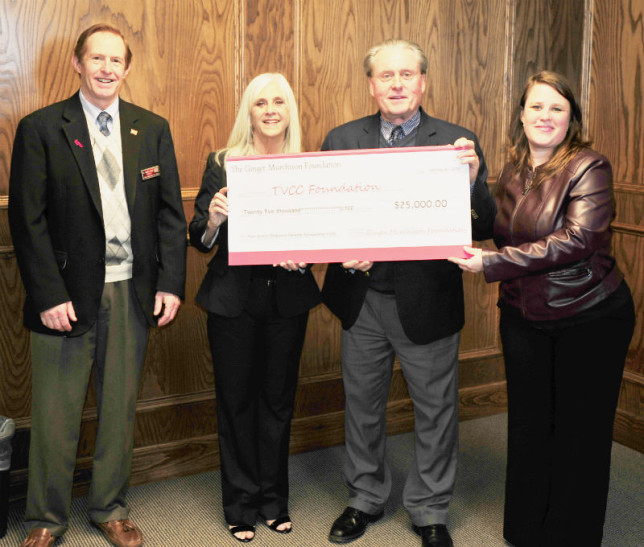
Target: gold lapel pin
{"x":134,"y":132}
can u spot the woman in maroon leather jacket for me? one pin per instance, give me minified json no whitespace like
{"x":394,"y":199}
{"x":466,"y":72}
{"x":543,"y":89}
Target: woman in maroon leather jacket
{"x":567,"y":318}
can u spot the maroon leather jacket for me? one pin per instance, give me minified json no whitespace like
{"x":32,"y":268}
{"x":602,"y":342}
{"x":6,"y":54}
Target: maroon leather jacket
{"x":554,"y":259}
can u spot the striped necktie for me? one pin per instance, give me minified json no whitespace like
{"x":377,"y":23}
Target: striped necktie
{"x":396,"y":135}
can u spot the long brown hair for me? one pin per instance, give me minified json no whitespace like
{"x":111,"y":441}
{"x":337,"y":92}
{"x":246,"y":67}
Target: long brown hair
{"x":573,"y":142}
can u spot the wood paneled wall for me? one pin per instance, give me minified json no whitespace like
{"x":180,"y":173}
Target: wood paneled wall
{"x":615,"y":112}
{"x":191,"y":62}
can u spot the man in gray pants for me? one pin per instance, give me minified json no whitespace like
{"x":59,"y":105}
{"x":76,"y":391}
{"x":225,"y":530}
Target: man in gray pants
{"x":412,"y":309}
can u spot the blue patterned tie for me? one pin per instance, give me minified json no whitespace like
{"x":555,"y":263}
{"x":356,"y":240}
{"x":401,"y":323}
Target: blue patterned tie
{"x":396,"y":135}
{"x":103,"y":118}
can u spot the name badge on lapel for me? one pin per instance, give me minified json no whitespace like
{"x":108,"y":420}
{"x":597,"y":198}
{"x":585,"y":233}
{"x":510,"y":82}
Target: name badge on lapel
{"x":150,"y":172}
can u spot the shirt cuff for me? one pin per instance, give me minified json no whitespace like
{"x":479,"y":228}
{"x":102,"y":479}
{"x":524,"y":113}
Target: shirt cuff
{"x":209,"y":244}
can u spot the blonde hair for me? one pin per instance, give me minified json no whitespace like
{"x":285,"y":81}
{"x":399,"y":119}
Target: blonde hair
{"x":240,"y":141}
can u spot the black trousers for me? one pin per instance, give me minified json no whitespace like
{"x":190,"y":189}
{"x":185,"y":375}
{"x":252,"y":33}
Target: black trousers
{"x":256,"y":362}
{"x":563,"y":386}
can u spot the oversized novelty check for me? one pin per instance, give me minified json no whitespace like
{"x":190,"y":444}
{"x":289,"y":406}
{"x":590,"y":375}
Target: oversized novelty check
{"x":381,"y":204}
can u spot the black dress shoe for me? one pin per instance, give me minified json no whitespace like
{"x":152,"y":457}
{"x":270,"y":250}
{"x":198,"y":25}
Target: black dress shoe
{"x":351,"y":525}
{"x":434,"y":535}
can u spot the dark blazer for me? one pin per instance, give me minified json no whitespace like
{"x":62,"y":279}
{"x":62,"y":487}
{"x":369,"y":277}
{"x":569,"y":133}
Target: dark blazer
{"x":225,"y":288}
{"x":429,"y":293}
{"x":55,"y":212}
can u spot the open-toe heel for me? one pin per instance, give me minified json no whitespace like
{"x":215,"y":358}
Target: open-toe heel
{"x":242,"y":528}
{"x":277,"y":522}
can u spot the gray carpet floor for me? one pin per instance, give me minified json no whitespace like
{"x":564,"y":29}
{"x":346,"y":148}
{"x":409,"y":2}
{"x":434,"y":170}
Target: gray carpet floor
{"x":187,"y":511}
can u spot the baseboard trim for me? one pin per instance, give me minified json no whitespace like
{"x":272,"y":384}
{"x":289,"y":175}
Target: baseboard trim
{"x":201,"y":454}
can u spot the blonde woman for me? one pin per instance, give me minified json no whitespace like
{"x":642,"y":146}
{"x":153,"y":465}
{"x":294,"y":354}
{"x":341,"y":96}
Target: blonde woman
{"x":257,"y":318}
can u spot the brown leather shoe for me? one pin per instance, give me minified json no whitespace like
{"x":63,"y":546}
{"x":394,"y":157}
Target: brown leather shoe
{"x":39,"y":537}
{"x":122,"y":533}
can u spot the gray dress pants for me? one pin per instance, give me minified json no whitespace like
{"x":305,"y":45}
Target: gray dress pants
{"x":431,"y":372}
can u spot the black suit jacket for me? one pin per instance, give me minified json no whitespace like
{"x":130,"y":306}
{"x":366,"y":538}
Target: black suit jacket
{"x":225,"y":288}
{"x":429,"y":293}
{"x":56,"y":216}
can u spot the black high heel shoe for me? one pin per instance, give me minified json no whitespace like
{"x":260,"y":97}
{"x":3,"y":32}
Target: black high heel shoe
{"x":242,"y":528}
{"x":273,"y":526}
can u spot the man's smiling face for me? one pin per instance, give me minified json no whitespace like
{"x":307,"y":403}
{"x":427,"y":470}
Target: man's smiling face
{"x":102,"y":68}
{"x":396,"y":83}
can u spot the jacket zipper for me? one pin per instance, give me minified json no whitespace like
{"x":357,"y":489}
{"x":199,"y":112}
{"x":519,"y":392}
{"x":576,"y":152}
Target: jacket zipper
{"x":526,"y":188}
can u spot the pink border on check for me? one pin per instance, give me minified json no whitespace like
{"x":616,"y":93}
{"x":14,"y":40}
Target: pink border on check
{"x":403,"y":150}
{"x":344,"y":255}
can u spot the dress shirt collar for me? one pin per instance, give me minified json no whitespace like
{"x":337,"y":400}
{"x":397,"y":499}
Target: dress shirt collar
{"x":386,"y":127}
{"x":92,"y":111}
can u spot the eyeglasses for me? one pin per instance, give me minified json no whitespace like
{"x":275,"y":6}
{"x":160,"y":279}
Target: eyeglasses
{"x":405,"y":75}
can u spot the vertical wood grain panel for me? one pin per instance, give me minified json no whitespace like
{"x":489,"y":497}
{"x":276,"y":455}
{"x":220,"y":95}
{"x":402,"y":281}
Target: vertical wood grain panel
{"x":565,"y":44}
{"x":530,"y":43}
{"x":617,"y":84}
{"x":270,"y":39}
{"x":35,"y":44}
{"x":628,"y":247}
{"x":548,"y":36}
{"x":332,"y":91}
{"x":616,"y":123}
{"x":15,"y":363}
{"x":466,"y":47}
{"x":178,"y":358}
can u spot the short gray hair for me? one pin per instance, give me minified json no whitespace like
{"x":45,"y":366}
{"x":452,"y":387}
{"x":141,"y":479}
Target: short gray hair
{"x":392,"y":43}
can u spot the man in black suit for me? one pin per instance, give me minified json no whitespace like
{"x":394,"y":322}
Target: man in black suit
{"x":99,"y":231}
{"x":412,"y":309}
